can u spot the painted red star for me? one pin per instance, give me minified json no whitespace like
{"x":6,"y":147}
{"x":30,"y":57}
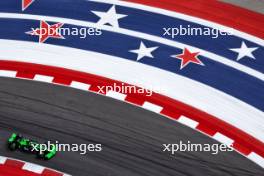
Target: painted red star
{"x":26,"y":4}
{"x":47,"y":31}
{"x":188,"y":57}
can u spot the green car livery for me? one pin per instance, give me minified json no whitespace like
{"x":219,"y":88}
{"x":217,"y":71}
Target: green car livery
{"x":17,"y":141}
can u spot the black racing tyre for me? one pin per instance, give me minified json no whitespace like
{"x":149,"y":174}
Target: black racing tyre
{"x":12,"y":146}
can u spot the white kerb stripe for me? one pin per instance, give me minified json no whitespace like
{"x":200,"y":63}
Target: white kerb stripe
{"x":43,"y":78}
{"x":256,"y":158}
{"x":2,"y":160}
{"x":79,"y":85}
{"x":116,"y":95}
{"x":223,"y":139}
{"x":33,"y":168}
{"x":187,"y":121}
{"x":11,"y":74}
{"x":152,"y":107}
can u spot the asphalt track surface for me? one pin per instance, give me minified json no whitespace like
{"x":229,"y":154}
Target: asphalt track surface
{"x":254,"y":5}
{"x":131,"y":137}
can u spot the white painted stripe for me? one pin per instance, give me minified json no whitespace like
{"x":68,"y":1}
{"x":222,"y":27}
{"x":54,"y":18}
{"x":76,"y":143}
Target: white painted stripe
{"x":223,"y":139}
{"x":152,"y":107}
{"x":187,"y":121}
{"x":185,"y":17}
{"x":205,"y":98}
{"x":2,"y":160}
{"x":157,"y":39}
{"x":79,"y":85}
{"x":256,"y":158}
{"x":33,"y":168}
{"x":11,"y":74}
{"x":116,"y":95}
{"x":43,"y":78}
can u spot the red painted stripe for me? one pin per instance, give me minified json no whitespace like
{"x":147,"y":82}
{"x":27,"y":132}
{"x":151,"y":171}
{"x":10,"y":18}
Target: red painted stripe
{"x":11,"y":171}
{"x":171,"y":108}
{"x":14,"y":164}
{"x":215,"y":11}
{"x":13,"y":167}
{"x":48,"y":172}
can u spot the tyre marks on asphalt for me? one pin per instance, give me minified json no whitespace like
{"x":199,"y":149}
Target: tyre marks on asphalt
{"x":132,"y":137}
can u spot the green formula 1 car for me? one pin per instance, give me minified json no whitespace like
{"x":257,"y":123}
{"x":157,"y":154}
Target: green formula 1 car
{"x":42,"y":151}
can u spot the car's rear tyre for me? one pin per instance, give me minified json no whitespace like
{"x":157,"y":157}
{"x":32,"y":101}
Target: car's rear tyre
{"x":12,"y":146}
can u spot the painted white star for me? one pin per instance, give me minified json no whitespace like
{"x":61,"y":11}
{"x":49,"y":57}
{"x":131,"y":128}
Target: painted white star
{"x":143,"y":51}
{"x":109,"y":17}
{"x":244,"y":50}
